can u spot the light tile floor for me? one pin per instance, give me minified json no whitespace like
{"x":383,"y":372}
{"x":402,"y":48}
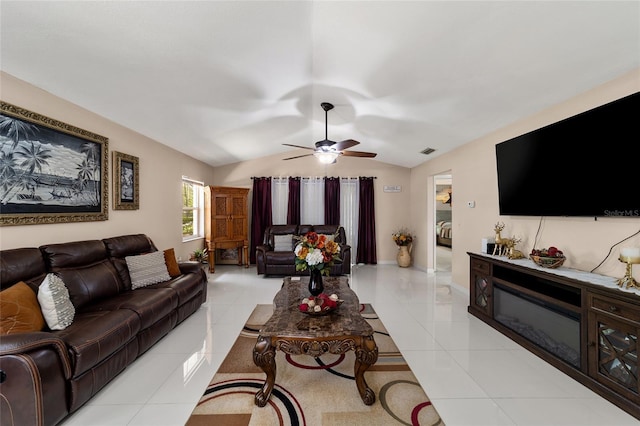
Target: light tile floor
{"x":473,"y":374}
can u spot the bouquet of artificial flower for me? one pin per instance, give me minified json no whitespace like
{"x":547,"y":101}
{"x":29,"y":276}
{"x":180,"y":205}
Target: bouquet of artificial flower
{"x":316,"y":251}
{"x":402,"y":237}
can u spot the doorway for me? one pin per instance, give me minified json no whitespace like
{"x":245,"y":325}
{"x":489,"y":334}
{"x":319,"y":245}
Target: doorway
{"x":443,"y":190}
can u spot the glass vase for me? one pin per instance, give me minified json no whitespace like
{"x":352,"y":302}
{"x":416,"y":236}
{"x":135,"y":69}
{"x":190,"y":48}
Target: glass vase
{"x":315,"y":282}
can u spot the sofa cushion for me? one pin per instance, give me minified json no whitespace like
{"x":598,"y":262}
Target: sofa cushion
{"x":74,"y":254}
{"x":57,"y":309}
{"x":150,"y":304}
{"x":280,"y":258}
{"x":96,"y":335}
{"x":19,"y":310}
{"x":128,"y":245}
{"x":273,"y":230}
{"x":283,"y":242}
{"x":146,"y":269}
{"x":85,"y":269}
{"x":22,"y":264}
{"x":186,"y":286}
{"x":92,"y":283}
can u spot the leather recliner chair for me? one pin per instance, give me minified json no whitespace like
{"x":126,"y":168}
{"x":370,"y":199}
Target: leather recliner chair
{"x":275,"y":257}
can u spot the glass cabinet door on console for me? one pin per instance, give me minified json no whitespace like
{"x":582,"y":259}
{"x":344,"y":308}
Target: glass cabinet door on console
{"x":481,"y":289}
{"x":613,"y":345}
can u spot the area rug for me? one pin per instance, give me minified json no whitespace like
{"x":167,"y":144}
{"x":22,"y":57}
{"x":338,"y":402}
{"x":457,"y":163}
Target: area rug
{"x":313,"y":391}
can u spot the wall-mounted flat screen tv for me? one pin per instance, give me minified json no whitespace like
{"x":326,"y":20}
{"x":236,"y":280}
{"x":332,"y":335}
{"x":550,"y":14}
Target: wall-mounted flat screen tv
{"x":585,"y":165}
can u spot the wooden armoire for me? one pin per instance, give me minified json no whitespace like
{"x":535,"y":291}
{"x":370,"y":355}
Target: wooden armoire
{"x":226,"y":222}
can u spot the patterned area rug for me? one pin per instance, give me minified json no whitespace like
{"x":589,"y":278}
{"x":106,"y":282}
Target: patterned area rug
{"x":313,"y":391}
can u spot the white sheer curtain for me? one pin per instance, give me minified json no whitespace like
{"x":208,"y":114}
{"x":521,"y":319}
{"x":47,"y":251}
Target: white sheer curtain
{"x":349,"y":202}
{"x":279,"y":200}
{"x":312,"y":201}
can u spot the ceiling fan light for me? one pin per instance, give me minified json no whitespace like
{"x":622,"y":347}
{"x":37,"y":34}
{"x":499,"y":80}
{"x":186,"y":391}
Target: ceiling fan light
{"x":326,"y":157}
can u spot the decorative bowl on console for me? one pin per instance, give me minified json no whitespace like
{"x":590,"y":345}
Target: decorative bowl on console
{"x":547,"y":258}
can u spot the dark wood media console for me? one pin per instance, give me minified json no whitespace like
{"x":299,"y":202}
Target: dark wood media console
{"x":581,"y":323}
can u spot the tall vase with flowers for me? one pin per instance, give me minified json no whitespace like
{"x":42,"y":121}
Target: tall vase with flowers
{"x":316,"y":253}
{"x":404,"y":240}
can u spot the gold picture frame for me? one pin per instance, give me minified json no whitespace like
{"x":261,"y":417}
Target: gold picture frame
{"x":52,"y":172}
{"x":126,"y":186}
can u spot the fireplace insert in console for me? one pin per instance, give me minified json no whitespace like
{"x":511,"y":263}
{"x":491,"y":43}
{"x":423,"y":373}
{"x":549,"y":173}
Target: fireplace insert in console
{"x":549,"y":326}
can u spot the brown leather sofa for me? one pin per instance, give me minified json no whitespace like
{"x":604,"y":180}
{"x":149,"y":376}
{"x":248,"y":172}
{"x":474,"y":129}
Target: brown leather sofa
{"x":272,"y":262}
{"x":47,"y":375}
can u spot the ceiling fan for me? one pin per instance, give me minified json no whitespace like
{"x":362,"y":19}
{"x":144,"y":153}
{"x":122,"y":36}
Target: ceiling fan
{"x":327,"y":151}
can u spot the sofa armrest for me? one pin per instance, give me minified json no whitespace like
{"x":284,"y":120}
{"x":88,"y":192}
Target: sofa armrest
{"x":261,"y":252}
{"x":345,"y":253}
{"x":34,"y":377}
{"x":190,"y":267}
{"x":16,"y":344}
{"x":264,"y":248}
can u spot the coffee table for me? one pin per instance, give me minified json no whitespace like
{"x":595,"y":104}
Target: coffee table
{"x":297,"y":333}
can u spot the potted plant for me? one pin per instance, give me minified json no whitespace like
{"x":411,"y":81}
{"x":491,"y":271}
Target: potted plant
{"x":200,"y":255}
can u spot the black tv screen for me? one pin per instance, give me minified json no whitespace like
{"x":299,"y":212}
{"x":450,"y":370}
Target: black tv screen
{"x":585,"y":165}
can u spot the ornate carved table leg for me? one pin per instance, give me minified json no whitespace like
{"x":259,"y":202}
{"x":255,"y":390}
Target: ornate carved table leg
{"x":366,"y":356}
{"x":264,"y":356}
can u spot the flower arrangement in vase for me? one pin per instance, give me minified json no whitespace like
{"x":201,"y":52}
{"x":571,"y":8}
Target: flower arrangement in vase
{"x":403,"y":240}
{"x":316,"y":253}
{"x":402,"y":237}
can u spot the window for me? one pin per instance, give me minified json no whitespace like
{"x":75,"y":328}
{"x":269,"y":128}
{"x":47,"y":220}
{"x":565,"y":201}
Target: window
{"x":192,"y":209}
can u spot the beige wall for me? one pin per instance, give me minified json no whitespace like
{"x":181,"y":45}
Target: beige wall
{"x":161,"y":170}
{"x":586,"y":242}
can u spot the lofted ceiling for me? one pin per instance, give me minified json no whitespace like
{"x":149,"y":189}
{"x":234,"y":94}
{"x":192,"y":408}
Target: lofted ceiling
{"x":228,"y":81}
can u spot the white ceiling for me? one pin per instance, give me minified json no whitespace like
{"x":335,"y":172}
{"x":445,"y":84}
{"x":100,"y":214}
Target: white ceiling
{"x":227,"y":81}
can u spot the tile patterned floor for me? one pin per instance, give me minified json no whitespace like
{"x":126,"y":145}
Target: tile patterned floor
{"x":473,"y":374}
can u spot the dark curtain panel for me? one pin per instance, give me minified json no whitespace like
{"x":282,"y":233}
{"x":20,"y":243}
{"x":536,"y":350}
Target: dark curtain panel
{"x":332,"y":201}
{"x":293,"y":207}
{"x":260,"y":213}
{"x":367,"y":224}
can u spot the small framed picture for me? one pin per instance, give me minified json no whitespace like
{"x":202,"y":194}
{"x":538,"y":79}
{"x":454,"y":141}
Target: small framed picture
{"x":125,"y":182}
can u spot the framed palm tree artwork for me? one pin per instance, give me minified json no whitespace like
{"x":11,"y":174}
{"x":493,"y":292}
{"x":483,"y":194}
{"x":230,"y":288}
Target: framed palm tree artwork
{"x":50,"y":172}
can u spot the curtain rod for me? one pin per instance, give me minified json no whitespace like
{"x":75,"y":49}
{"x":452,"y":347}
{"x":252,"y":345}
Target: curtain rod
{"x":307,"y":177}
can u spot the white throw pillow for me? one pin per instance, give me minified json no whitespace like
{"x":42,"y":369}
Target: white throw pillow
{"x":56,"y":306}
{"x":330,"y":237}
{"x":147,"y":269}
{"x":283,"y":242}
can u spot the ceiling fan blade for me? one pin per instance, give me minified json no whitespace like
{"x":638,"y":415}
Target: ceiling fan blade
{"x":346,"y":144}
{"x":298,"y":146}
{"x":359,"y":154}
{"x":298,"y":156}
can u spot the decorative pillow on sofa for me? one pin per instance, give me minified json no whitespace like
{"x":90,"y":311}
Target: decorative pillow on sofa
{"x":330,"y":237}
{"x":172,"y":264}
{"x":283,"y":242}
{"x":19,"y":310}
{"x":147,"y":269}
{"x":57,"y":309}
